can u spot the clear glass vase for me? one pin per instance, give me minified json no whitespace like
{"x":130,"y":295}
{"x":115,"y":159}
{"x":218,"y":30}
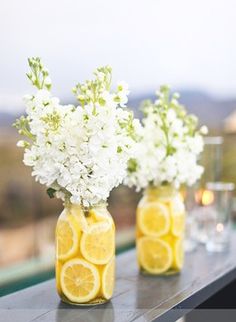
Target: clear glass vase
{"x":160,"y":231}
{"x":85,"y":255}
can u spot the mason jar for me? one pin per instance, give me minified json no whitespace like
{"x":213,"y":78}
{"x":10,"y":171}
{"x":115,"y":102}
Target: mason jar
{"x":85,"y":255}
{"x":160,"y":231}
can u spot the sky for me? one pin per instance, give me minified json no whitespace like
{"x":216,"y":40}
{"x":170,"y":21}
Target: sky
{"x":186,"y":43}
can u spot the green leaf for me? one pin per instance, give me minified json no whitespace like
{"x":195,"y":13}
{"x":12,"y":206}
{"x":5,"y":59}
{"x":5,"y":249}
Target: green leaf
{"x":132,"y":165}
{"x":38,"y":74}
{"x":51,"y":192}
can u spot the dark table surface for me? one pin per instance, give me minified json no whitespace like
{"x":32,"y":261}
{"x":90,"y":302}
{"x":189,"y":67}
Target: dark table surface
{"x":136,"y":297}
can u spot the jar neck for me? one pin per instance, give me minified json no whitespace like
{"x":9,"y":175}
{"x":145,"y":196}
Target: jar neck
{"x":85,"y":210}
{"x":161,"y":191}
{"x":99,"y":206}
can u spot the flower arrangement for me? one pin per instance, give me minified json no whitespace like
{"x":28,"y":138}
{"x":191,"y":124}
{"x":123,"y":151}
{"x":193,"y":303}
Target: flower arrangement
{"x":79,"y":152}
{"x":169,"y":147}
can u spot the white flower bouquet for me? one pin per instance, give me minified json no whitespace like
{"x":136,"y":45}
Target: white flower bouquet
{"x":169,"y":146}
{"x":79,"y":152}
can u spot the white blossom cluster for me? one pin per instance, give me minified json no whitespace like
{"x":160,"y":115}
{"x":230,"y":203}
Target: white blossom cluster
{"x":79,"y":152}
{"x":169,"y":147}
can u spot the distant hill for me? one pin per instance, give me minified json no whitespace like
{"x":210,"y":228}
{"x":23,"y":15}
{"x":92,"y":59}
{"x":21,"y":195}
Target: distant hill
{"x":6,"y":119}
{"x":209,"y":110}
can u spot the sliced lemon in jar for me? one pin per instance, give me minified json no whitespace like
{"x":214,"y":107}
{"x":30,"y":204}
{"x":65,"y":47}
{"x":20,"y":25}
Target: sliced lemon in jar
{"x":154,"y":219}
{"x":67,"y":238}
{"x":79,"y":216}
{"x":100,"y":215}
{"x":178,"y":224}
{"x":169,"y":239}
{"x":178,"y":249}
{"x":58,"y":267}
{"x":98,"y":245}
{"x":154,"y":255}
{"x":177,"y":216}
{"x":80,"y":280}
{"x":108,"y":279}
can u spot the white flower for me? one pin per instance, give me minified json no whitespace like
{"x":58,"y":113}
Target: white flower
{"x":122,"y":93}
{"x":123,"y":87}
{"x":170,"y":116}
{"x":21,"y":144}
{"x":81,"y":152}
{"x":203,"y":130}
{"x":169,"y":146}
{"x":47,"y":81}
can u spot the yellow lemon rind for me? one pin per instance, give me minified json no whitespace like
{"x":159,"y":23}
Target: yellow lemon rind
{"x":92,"y":294}
{"x":175,"y":231}
{"x":178,"y":247}
{"x":143,"y":263}
{"x":98,"y":228}
{"x":165,"y":213}
{"x":75,"y":238}
{"x":105,"y":293}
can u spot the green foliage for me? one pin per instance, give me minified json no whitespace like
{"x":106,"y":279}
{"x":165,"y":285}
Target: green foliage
{"x":38,"y":74}
{"x":53,"y":120}
{"x":128,"y":125}
{"x":166,"y":101}
{"x":132,"y":165}
{"x":51,"y":192}
{"x":90,"y":91}
{"x":39,"y":77}
{"x":22,"y":125}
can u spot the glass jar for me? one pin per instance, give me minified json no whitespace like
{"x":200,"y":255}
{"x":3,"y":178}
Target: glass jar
{"x":85,"y":255}
{"x":160,"y":231}
{"x":219,"y":227}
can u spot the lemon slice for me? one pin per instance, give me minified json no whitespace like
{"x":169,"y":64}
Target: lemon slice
{"x":178,"y":224}
{"x":58,"y":275}
{"x":101,"y":215}
{"x":79,"y":216}
{"x":178,"y":249}
{"x":67,"y":238}
{"x":177,"y":205}
{"x":169,"y":239}
{"x":154,"y":255}
{"x":98,"y":245}
{"x":108,"y":279}
{"x":154,"y":219}
{"x":80,"y":281}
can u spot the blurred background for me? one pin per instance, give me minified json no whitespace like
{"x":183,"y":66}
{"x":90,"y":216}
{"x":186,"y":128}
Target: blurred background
{"x":188,"y":44}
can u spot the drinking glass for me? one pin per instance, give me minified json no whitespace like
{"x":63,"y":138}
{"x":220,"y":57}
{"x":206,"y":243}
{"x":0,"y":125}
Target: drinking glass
{"x":211,"y":160}
{"x":218,"y":228}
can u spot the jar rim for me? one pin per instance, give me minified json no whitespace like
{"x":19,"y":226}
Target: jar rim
{"x":220,"y":186}
{"x":101,"y":204}
{"x":161,"y":189}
